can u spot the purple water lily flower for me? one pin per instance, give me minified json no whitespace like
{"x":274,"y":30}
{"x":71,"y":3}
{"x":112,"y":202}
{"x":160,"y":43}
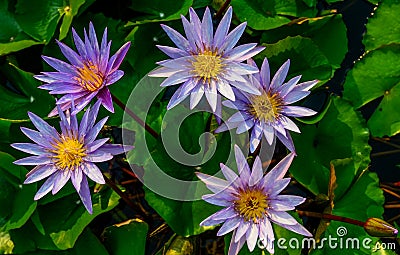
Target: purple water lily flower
{"x":268,"y":113}
{"x":252,"y":202}
{"x":69,"y":155}
{"x":206,"y":63}
{"x":90,"y":72}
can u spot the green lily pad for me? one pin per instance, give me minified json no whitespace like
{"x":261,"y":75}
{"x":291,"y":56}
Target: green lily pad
{"x":310,"y":62}
{"x":377,"y":75}
{"x":264,"y":15}
{"x":15,"y":106}
{"x":41,"y":19}
{"x":370,"y":201}
{"x":341,"y":134}
{"x":12,"y":38}
{"x":384,"y":27}
{"x":159,"y":11}
{"x":327,"y":32}
{"x":116,"y":236}
{"x":65,"y":219}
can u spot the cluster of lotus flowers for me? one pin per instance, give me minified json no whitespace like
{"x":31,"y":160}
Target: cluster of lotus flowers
{"x":204,"y":63}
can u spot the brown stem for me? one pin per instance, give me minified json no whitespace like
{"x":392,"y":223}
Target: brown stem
{"x":386,"y":142}
{"x":132,"y":205}
{"x":134,"y":116}
{"x":222,"y":9}
{"x":396,"y":206}
{"x":330,"y":217}
{"x":384,"y":153}
{"x":391,"y":192}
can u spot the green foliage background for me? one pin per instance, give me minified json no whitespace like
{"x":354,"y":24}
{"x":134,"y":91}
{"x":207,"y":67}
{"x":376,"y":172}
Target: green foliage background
{"x":314,"y":38}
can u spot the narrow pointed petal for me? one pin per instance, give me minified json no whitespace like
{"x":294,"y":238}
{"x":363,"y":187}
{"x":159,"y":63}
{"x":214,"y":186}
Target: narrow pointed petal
{"x":71,"y":55}
{"x":234,"y":247}
{"x":84,"y":194}
{"x":220,"y":199}
{"x":59,"y":65}
{"x":106,"y":100}
{"x":287,"y":141}
{"x":243,"y":167}
{"x":289,"y":124}
{"x":229,"y":174}
{"x":212,"y":98}
{"x":282,"y":218}
{"x":279,"y":171}
{"x":42,"y":125}
{"x":176,"y":37}
{"x":120,"y":55}
{"x":30,"y":148}
{"x":280,"y":75}
{"x":297,"y":228}
{"x":196,"y":95}
{"x":172,"y":52}
{"x":233,"y":37}
{"x":214,"y":184}
{"x":95,"y":131}
{"x":256,"y":173}
{"x":297,"y":111}
{"x":39,"y":173}
{"x":252,"y":237}
{"x":114,"y":77}
{"x":241,"y":230}
{"x":207,"y":28}
{"x":295,"y":96}
{"x":45,"y":188}
{"x":226,"y":90}
{"x":222,"y":29}
{"x":289,"y":86}
{"x":115,"y":149}
{"x":229,"y":225}
{"x":93,"y":172}
{"x":34,"y":160}
{"x":61,"y":179}
{"x":176,"y":78}
{"x":265,"y":74}
{"x":98,"y":156}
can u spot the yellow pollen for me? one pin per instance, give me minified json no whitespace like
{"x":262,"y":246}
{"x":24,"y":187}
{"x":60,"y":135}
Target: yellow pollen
{"x":90,"y":77}
{"x":207,"y":65}
{"x":69,"y":153}
{"x":251,"y":204}
{"x":266,"y":107}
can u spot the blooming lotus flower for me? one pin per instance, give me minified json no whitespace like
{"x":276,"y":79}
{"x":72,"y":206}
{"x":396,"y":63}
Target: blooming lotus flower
{"x":89,"y":74}
{"x":267,"y":114}
{"x":206,"y":63}
{"x":69,"y":155}
{"x":252,"y":202}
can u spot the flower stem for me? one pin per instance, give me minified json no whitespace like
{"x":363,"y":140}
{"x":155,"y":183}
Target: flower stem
{"x":330,"y":217}
{"x":132,"y":205}
{"x":384,"y":153}
{"x":135,"y":117}
{"x":221,"y":10}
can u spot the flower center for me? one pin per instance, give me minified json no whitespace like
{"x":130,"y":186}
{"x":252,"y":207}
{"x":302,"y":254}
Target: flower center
{"x":90,"y":77}
{"x":266,"y":107}
{"x":207,"y":65}
{"x":69,"y":153}
{"x":251,"y":204}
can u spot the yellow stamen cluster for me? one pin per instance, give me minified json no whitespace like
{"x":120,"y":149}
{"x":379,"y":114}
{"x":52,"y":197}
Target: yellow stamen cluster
{"x":266,"y":107}
{"x":207,"y":65}
{"x":90,"y":77}
{"x":251,"y":204}
{"x":69,"y":153}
